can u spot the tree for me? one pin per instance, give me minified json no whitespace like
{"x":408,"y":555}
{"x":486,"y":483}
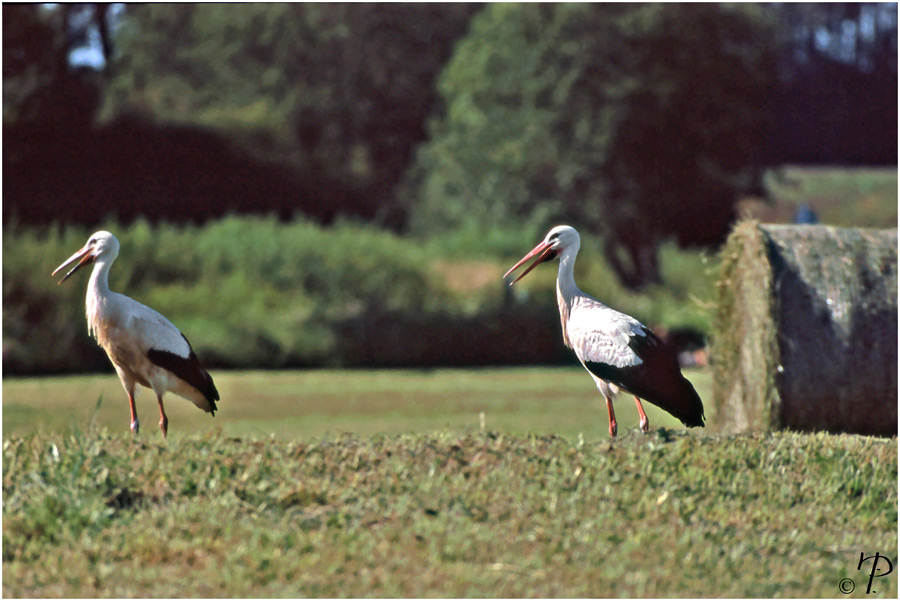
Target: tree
{"x":340,"y":91}
{"x":638,"y":122}
{"x":836,"y":99}
{"x":48,"y":106}
{"x":37,"y":72}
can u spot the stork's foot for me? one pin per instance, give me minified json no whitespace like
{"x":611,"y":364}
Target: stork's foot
{"x":163,"y":420}
{"x":135,"y":426}
{"x":612,"y":415}
{"x":645,"y":423}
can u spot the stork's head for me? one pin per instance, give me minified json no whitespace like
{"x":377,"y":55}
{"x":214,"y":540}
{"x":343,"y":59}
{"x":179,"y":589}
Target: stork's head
{"x":101,"y":245}
{"x":557,"y":241}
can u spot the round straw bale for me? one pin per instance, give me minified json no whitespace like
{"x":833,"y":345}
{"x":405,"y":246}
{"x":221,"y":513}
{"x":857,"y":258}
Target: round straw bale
{"x":805,"y":334}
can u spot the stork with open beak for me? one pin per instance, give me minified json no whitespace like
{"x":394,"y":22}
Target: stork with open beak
{"x":617,"y":350}
{"x":144,"y":347}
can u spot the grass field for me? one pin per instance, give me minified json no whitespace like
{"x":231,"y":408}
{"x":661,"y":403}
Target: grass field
{"x":382,"y":484}
{"x":845,"y":197}
{"x":301,"y":404}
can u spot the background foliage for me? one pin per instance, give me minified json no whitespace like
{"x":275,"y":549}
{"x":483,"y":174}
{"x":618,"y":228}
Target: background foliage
{"x":641,"y":122}
{"x":389,"y":162}
{"x":258,"y":292}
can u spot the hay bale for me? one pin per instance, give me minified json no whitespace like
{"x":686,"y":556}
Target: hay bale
{"x":805,"y":335}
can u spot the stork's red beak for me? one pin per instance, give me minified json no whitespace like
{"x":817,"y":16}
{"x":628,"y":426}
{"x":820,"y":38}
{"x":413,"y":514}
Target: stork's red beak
{"x":543,"y":252}
{"x":86,"y":257}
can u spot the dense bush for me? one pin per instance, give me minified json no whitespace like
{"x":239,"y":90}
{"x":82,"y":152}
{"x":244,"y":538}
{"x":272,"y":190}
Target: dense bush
{"x":256,"y":292}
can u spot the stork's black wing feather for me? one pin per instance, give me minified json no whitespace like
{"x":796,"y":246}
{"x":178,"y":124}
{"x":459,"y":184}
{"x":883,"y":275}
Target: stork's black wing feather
{"x":657,"y":379}
{"x":189,"y":370}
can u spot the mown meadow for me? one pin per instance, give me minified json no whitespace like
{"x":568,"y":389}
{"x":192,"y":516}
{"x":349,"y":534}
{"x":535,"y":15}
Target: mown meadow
{"x":302,"y":404}
{"x":425,"y":483}
{"x":443,"y":514}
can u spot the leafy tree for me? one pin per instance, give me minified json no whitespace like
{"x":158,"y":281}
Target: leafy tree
{"x":48,"y":106}
{"x":635,"y":121}
{"x":30,"y":57}
{"x":39,"y":83}
{"x":341,"y":91}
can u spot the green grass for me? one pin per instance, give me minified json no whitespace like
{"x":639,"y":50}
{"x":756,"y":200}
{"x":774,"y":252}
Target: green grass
{"x":317,"y":403}
{"x":381,"y":484}
{"x":845,"y":197}
{"x":443,"y":515}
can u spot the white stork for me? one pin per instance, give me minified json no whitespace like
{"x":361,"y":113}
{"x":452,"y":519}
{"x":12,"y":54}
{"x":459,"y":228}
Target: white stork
{"x":617,"y":350}
{"x":144,"y":346}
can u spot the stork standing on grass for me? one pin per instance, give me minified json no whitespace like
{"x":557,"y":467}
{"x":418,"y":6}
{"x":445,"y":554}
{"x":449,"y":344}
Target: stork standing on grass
{"x":144,"y":347}
{"x":617,"y":350}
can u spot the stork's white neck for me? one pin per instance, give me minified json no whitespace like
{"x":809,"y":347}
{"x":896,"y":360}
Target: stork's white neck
{"x":566,"y":290}
{"x":97,"y":302}
{"x":99,"y":282}
{"x":565,"y":279}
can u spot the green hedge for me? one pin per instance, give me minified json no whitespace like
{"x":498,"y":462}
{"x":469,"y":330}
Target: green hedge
{"x":257,"y":292}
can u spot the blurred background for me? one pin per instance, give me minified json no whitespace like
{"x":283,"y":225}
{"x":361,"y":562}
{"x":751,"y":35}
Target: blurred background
{"x":301,"y":185}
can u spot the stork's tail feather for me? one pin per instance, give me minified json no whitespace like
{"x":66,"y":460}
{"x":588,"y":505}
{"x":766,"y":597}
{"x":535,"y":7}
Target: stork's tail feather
{"x":690,"y":407}
{"x":211,"y":394}
{"x":189,"y":370}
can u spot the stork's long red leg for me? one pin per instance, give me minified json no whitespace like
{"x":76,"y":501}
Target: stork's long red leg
{"x":612,"y":417}
{"x":163,"y":420}
{"x":645,"y":423}
{"x":135,"y":424}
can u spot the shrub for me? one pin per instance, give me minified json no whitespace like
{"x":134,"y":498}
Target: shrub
{"x":258,"y":292}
